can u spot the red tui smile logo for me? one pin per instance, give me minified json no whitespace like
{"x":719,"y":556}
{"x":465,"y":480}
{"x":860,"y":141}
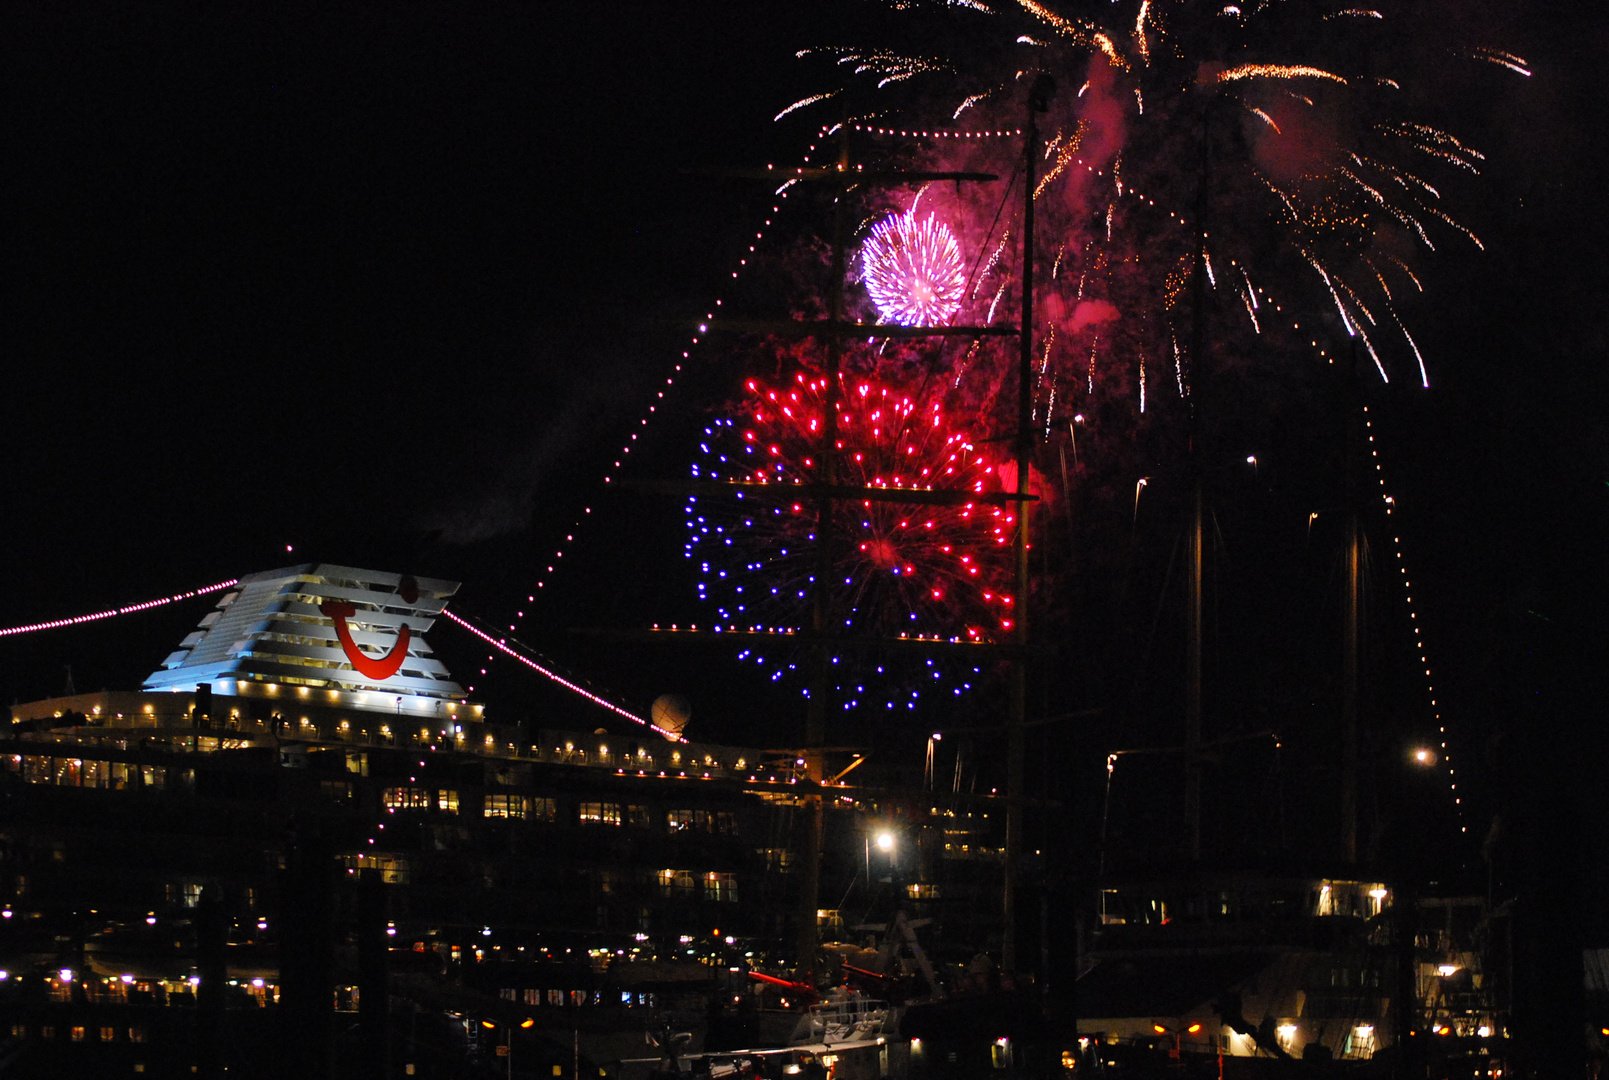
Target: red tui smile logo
{"x":378,"y":668}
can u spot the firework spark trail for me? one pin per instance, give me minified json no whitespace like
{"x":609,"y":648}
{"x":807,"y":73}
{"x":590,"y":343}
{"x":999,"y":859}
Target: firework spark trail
{"x":1502,"y":59}
{"x":803,"y":102}
{"x":913,"y":270}
{"x":1277,"y":71}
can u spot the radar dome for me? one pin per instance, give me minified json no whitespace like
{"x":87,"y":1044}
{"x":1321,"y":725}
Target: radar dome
{"x":671,"y":713}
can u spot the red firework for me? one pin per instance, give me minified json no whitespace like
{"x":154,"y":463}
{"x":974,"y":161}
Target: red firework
{"x":899,"y":567}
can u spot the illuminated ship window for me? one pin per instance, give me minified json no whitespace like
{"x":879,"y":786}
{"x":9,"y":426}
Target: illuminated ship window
{"x":507,"y":806}
{"x":723,"y":822}
{"x":407,"y":798}
{"x":393,"y":870}
{"x":600,"y":813}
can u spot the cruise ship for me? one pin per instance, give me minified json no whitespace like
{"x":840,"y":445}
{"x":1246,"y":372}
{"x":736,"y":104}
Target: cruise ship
{"x":300,"y":849}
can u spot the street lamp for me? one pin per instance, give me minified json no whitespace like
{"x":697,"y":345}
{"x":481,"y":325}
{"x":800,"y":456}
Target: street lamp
{"x":1178,"y":1036}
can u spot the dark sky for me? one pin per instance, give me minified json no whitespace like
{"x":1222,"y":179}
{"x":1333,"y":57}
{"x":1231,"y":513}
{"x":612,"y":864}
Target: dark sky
{"x":390,"y":284}
{"x":387,"y":286}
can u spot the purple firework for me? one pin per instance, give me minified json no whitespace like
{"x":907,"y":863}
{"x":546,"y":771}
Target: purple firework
{"x":913,"y":270}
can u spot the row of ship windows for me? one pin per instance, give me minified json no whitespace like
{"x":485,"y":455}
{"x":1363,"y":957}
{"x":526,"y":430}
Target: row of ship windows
{"x":80,"y":1033}
{"x":119,"y":776}
{"x":74,"y":772}
{"x":716,"y":885}
{"x":576,"y":998}
{"x":538,"y":808}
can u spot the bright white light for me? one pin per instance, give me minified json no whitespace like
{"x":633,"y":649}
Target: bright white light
{"x":1447,"y":970}
{"x":885,"y":841}
{"x":65,"y":974}
{"x":913,"y":270}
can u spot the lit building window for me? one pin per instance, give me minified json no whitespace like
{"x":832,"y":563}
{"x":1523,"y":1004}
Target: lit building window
{"x":679,"y":883}
{"x":723,"y":822}
{"x":600,"y":813}
{"x":721,"y":887}
{"x":406,"y":798}
{"x":507,"y":806}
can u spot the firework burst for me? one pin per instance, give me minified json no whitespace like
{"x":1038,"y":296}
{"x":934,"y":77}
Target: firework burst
{"x":1273,"y":124}
{"x":913,"y":270}
{"x":899,"y":569}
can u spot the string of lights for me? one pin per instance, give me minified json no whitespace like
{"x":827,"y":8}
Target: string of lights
{"x":1418,"y":638}
{"x":618,"y":462}
{"x":128,"y":609}
{"x":1258,"y":299}
{"x":938,"y":133}
{"x":502,"y":645}
{"x":1389,"y":502}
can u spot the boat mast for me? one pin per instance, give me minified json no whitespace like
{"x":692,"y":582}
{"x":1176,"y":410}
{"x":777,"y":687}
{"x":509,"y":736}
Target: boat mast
{"x":808,"y":940}
{"x":1351,"y":630}
{"x":1016,"y":741}
{"x":1198,"y":386}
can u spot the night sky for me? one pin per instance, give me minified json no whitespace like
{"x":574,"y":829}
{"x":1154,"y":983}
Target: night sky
{"x":388,"y":286}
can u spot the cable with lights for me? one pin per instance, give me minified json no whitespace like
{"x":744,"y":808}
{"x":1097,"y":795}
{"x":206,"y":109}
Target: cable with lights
{"x":610,"y":473}
{"x":127,"y":609}
{"x":502,"y":645}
